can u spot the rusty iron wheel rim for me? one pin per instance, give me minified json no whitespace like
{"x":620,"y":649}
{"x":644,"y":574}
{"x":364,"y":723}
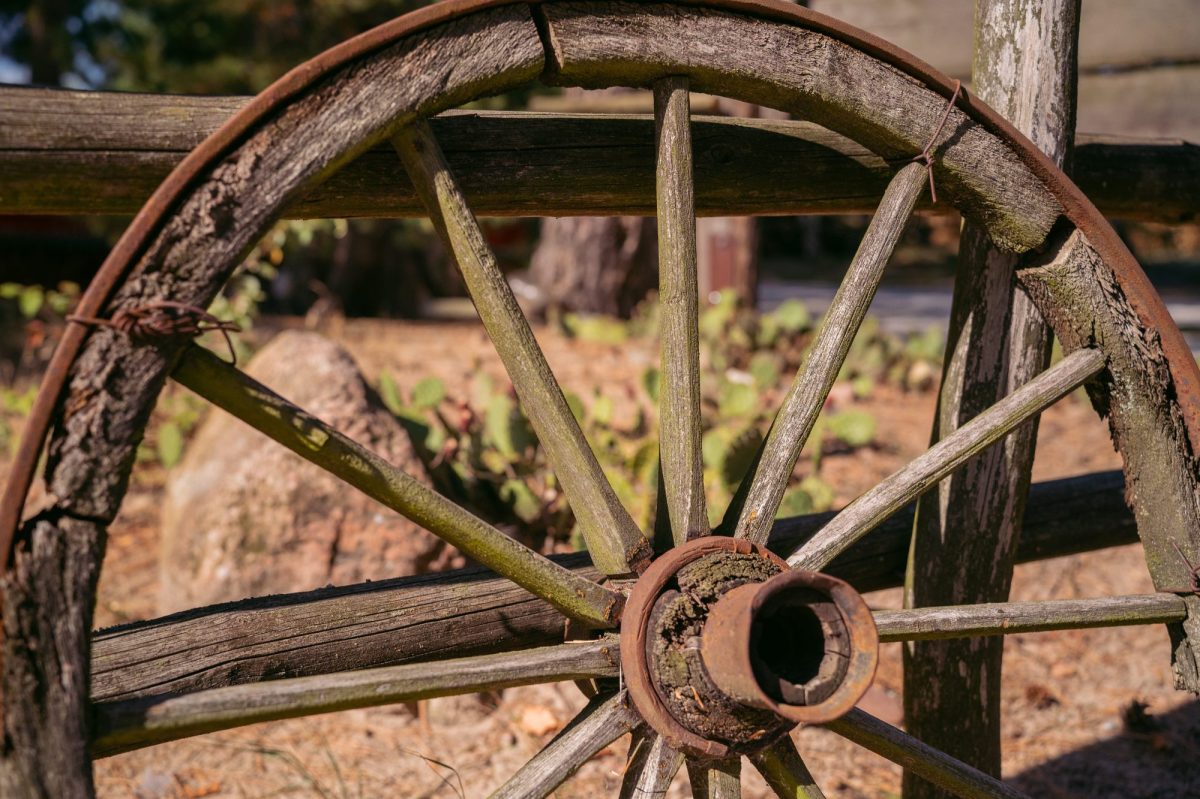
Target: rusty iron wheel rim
{"x":1145,"y":300}
{"x":149,"y":221}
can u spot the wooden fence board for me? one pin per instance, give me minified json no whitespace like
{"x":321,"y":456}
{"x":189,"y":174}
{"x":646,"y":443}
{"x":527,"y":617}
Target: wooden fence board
{"x":68,"y":152}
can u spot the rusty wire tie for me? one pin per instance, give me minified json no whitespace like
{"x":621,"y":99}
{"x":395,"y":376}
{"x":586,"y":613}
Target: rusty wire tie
{"x":926,"y":156}
{"x":164,"y":319}
{"x":1193,"y":569}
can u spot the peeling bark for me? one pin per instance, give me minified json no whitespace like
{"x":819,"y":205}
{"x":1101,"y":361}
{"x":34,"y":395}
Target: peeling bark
{"x":1082,"y":300}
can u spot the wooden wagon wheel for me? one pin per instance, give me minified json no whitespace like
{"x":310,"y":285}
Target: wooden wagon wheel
{"x":713,"y":688}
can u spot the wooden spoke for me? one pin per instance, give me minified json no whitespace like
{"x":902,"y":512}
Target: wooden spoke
{"x":132,"y":724}
{"x":317,"y":442}
{"x":605,"y":719}
{"x":1007,"y":618}
{"x":923,"y":760}
{"x":753,"y":508}
{"x":716,"y":779}
{"x":613,"y":539}
{"x":678,"y":296}
{"x":784,"y":770}
{"x":650,"y":766}
{"x":863,"y":514}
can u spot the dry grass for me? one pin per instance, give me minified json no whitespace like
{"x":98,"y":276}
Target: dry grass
{"x":1064,"y":694}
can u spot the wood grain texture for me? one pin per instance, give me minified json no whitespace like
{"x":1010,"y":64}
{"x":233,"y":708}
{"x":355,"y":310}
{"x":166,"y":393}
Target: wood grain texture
{"x":71,"y":152}
{"x":136,"y":723}
{"x":1008,"y":618}
{"x":929,"y":763}
{"x":923,"y":472}
{"x":605,"y":719}
{"x":467,"y":612}
{"x":48,"y":594}
{"x":966,"y":530}
{"x":115,"y":381}
{"x":255,"y":404}
{"x":781,"y":766}
{"x":812,"y":76}
{"x":1062,"y":517}
{"x":616,"y":544}
{"x":716,"y":779}
{"x":679,"y":309}
{"x":381,"y":623}
{"x":650,"y":766}
{"x":1138,"y":61}
{"x":753,"y":508}
{"x":1163,"y":476}
{"x":1163,"y":100}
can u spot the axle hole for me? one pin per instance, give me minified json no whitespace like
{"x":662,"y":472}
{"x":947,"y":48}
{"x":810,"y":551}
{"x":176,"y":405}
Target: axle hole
{"x":788,"y":648}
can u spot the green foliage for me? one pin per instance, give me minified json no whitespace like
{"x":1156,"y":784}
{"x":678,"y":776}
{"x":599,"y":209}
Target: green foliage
{"x":45,"y":309}
{"x":481,"y":450}
{"x":651,"y":383}
{"x":180,"y":46}
{"x":428,"y":393}
{"x":175,"y":418}
{"x":169,"y":444}
{"x":15,"y":405}
{"x":35,"y":302}
{"x":600,"y":329}
{"x":239,"y":300}
{"x":853,"y":427}
{"x":737,"y":399}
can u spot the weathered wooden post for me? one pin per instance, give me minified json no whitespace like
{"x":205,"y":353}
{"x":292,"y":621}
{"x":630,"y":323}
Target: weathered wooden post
{"x":966,"y":532}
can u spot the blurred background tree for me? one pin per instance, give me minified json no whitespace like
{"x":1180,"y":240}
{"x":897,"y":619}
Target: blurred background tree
{"x":219,"y":47}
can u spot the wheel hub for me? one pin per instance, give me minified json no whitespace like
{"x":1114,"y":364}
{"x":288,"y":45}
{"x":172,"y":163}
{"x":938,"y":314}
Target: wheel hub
{"x":724,"y":648}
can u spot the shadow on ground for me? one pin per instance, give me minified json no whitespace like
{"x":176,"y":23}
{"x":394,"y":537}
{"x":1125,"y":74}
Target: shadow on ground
{"x":1154,"y":757}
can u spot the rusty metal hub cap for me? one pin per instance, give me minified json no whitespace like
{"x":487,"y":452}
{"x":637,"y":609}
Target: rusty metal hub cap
{"x":724,"y":648}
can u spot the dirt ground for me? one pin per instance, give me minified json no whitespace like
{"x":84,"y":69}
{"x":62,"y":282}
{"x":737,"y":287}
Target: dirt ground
{"x":1064,"y":694}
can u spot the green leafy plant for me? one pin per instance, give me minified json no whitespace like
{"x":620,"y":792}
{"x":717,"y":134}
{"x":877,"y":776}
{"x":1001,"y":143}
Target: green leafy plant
{"x":175,"y":417}
{"x":481,"y":450}
{"x":179,"y":412}
{"x":15,"y":406}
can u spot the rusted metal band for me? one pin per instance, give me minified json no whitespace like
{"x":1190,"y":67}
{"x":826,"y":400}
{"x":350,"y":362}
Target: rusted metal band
{"x":728,"y":641}
{"x":165,"y":198}
{"x":1145,"y":301}
{"x":635,"y":630}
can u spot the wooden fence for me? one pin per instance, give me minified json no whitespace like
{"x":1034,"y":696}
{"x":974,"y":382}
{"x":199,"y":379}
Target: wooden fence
{"x":70,"y":152}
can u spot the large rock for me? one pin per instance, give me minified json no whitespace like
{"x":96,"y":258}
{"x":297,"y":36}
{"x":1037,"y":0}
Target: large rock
{"x":246,"y":517}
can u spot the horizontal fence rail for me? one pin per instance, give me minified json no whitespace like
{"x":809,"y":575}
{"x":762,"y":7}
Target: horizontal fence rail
{"x":468,"y":612}
{"x":69,"y":152}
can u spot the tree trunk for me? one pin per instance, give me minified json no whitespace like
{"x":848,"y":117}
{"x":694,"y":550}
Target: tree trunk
{"x":966,"y":532}
{"x":602,"y":265}
{"x":49,"y":53}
